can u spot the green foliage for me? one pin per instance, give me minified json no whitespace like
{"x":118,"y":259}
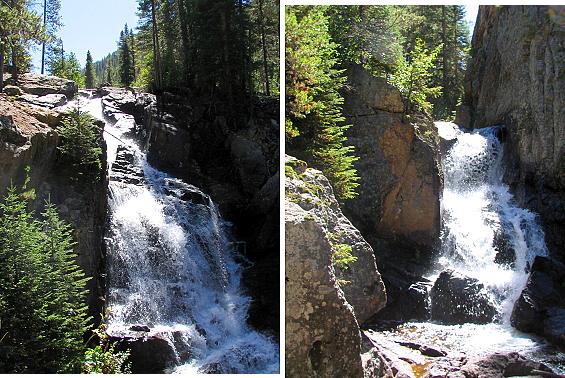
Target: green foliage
{"x":89,"y":72}
{"x":314,"y":122}
{"x":42,"y":296}
{"x":367,"y":35}
{"x":62,"y":64}
{"x":436,"y":26}
{"x":103,"y":358}
{"x":413,"y":78}
{"x":79,"y":144}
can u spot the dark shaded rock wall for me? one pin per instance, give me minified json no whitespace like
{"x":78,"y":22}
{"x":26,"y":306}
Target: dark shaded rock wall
{"x":516,"y":76}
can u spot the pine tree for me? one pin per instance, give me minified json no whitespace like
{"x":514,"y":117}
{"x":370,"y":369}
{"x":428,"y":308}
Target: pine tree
{"x":314,"y":122}
{"x":89,"y":71}
{"x":125,"y":64}
{"x":42,"y":296}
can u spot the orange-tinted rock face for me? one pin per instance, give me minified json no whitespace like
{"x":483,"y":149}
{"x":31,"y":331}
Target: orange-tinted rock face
{"x":400,"y":179}
{"x":411,"y":207}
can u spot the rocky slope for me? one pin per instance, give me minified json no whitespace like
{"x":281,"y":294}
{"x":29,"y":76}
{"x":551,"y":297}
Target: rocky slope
{"x":28,"y":138}
{"x":323,"y":311}
{"x":516,"y":77}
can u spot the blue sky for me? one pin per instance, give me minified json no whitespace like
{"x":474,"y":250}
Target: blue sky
{"x":93,"y":25}
{"x":96,"y":25}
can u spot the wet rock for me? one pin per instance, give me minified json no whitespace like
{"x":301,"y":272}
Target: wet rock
{"x":50,"y":101}
{"x":506,"y":255}
{"x":502,"y":365}
{"x":124,"y":168}
{"x":426,"y":350}
{"x":540,"y":309}
{"x":515,"y":77}
{"x":148,"y":354}
{"x":408,"y":297}
{"x":139,"y":328}
{"x":457,"y":299}
{"x":12,"y":90}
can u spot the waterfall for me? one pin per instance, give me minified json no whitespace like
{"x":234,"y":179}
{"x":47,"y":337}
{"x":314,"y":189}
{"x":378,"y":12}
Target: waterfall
{"x":171,"y":265}
{"x":485,"y":235}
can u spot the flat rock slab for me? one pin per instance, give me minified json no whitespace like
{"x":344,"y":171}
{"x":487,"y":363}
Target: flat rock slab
{"x":49,"y":101}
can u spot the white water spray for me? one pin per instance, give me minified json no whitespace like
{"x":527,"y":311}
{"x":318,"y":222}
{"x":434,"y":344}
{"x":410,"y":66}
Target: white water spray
{"x":485,"y":234}
{"x":171,"y":266}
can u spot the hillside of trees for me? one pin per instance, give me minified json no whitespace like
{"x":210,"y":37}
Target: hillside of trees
{"x":421,"y":50}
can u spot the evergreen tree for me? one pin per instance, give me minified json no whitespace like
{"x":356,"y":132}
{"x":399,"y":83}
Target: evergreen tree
{"x":42,"y":297}
{"x":64,"y":65}
{"x":126,"y":68}
{"x":314,"y":122}
{"x":89,"y":71}
{"x":20,"y":26}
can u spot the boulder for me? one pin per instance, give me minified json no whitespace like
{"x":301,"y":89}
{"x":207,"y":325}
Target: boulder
{"x":499,"y":365}
{"x":12,"y":90}
{"x":42,"y":85}
{"x":148,"y":353}
{"x":457,"y":299}
{"x":49,"y":101}
{"x":540,"y":309}
{"x":400,"y":182}
{"x":361,"y":281}
{"x":322,"y":334}
{"x":515,"y":77}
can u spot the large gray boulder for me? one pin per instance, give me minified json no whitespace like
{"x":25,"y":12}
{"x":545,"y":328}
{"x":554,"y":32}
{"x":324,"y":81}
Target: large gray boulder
{"x":42,"y":85}
{"x":322,"y":334}
{"x":515,"y":77}
{"x":322,"y":312}
{"x":362,"y":283}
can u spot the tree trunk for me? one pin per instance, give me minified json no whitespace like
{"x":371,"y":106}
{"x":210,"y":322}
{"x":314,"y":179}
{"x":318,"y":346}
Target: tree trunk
{"x":156,"y":50}
{"x":184,"y":39}
{"x":14,"y":56}
{"x":444,"y":40}
{"x":264,"y":45}
{"x":43,"y":45}
{"x":1,"y":65}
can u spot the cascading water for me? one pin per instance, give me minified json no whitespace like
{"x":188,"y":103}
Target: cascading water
{"x":487,"y":237}
{"x":171,"y":266}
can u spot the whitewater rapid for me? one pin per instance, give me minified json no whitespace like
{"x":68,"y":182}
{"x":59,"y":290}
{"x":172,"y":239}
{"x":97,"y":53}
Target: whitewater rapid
{"x":172,"y":266}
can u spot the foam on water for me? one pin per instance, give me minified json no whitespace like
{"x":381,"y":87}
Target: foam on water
{"x":172,"y":267}
{"x":480,"y":216}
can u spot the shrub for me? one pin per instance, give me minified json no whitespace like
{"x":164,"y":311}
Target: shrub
{"x":103,"y":358}
{"x":79,"y":144}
